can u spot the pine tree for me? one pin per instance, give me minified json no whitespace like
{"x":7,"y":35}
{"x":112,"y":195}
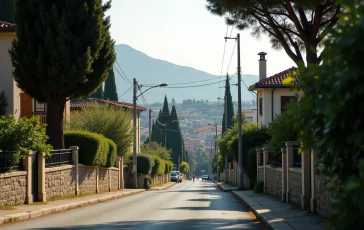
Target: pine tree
{"x":230,"y":108}
{"x":67,"y":57}
{"x":99,"y":93}
{"x":110,"y":92}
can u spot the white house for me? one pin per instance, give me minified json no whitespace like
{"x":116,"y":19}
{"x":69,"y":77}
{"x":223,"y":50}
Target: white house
{"x":273,"y":95}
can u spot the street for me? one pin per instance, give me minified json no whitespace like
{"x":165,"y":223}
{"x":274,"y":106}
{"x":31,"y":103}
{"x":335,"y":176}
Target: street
{"x":197,"y":205}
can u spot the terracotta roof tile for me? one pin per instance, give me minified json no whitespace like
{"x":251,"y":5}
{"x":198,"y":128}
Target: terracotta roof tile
{"x":79,"y":104}
{"x":206,"y":128}
{"x":276,"y":81}
{"x":7,"y":26}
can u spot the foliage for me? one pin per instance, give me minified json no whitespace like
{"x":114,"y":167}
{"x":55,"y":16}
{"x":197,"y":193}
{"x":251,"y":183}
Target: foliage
{"x":297,"y":26}
{"x":112,"y":122}
{"x":284,"y":127}
{"x":184,"y":167}
{"x":200,"y":159}
{"x":7,"y":10}
{"x":251,"y":166}
{"x":145,"y":163}
{"x":110,"y":87}
{"x":67,"y":57}
{"x":332,"y":113}
{"x":157,"y":150}
{"x":159,"y":166}
{"x":112,"y":154}
{"x":23,"y":135}
{"x":94,"y":148}
{"x":3,"y":104}
{"x":99,"y":93}
{"x":169,"y":167}
{"x":148,"y":182}
{"x":230,"y":107}
{"x":259,"y":187}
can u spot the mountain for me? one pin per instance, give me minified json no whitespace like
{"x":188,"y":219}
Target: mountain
{"x":150,"y":71}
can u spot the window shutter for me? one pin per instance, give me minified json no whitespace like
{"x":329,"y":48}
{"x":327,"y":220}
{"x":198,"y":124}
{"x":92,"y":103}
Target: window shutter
{"x":285,"y":100}
{"x":261,"y":106}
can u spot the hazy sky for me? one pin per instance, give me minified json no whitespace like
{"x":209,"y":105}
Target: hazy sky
{"x":185,"y":33}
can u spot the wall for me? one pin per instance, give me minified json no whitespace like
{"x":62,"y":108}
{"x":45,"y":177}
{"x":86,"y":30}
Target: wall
{"x":103,"y":174}
{"x":260,"y":174}
{"x":323,"y":198}
{"x":13,"y":188}
{"x":295,"y":185}
{"x":273,"y":181}
{"x":87,"y":179}
{"x":60,"y":181}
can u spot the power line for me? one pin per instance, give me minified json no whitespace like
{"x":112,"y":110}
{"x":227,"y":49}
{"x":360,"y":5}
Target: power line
{"x":117,"y":63}
{"x":117,"y":71}
{"x":192,"y":86}
{"x":185,"y":83}
{"x":231,"y":57}
{"x":126,"y":92}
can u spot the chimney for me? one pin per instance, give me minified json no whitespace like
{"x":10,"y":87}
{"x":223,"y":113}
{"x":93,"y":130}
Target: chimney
{"x":262,"y":66}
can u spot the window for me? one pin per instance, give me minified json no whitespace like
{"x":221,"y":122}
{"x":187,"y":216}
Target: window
{"x":261,"y":106}
{"x":250,"y":119}
{"x":39,"y":107}
{"x":285,"y":100}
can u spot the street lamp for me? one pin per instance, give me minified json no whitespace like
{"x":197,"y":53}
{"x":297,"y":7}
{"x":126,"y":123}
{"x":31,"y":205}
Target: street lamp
{"x":135,"y":97}
{"x":217,"y":165}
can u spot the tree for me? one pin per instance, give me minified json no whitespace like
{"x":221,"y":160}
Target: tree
{"x":175,"y":138}
{"x":173,"y":101}
{"x":7,"y":10}
{"x":67,"y":57}
{"x":297,"y":26}
{"x":164,"y":119}
{"x":230,"y":108}
{"x":158,"y":150}
{"x":110,"y":87}
{"x":3,"y":104}
{"x":156,"y":134}
{"x":99,"y":93}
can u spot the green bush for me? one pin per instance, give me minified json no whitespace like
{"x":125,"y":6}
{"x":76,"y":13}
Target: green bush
{"x":159,"y":166}
{"x":259,"y":187}
{"x":112,"y":154}
{"x":94,"y":148}
{"x":3,"y":104}
{"x":147,"y":182}
{"x":169,"y":167}
{"x":145,"y":163}
{"x":23,"y":135}
{"x":184,"y":167}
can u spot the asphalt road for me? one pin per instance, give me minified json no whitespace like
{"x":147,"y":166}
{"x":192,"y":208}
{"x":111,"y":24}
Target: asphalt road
{"x":189,"y":205}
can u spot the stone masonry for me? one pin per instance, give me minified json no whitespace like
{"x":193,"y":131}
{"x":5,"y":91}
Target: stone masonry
{"x":103,"y":179}
{"x":295,"y":186}
{"x":87,"y":179}
{"x":323,"y":197}
{"x":60,"y":181}
{"x":273,"y":181}
{"x":13,"y":188}
{"x":114,"y":178}
{"x":260,"y":174}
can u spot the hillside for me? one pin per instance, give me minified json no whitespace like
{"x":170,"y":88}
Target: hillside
{"x":151,"y":71}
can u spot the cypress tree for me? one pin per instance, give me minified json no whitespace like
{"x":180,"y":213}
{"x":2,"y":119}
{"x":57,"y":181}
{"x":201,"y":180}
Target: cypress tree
{"x":67,"y":57}
{"x":7,"y":10}
{"x":99,"y":93}
{"x":164,"y":118}
{"x":230,"y":108}
{"x":110,"y":92}
{"x":3,"y":104}
{"x":174,"y":138}
{"x":157,"y":130}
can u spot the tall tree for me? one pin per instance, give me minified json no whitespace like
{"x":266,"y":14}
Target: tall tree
{"x":297,"y":26}
{"x":99,"y":93}
{"x":3,"y":104}
{"x":173,"y":101}
{"x":164,"y":118}
{"x":7,"y":10}
{"x":175,"y":138}
{"x":156,"y":134}
{"x":230,"y":107}
{"x":110,"y":87}
{"x":67,"y":57}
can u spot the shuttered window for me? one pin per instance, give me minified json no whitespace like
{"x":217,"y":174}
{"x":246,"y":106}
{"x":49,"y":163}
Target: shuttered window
{"x":261,"y":106}
{"x":285,"y":100}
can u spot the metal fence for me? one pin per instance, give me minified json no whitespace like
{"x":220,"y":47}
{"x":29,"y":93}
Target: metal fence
{"x":7,"y":162}
{"x":275,"y":159}
{"x":297,"y":159}
{"x":261,"y":153}
{"x":59,"y":157}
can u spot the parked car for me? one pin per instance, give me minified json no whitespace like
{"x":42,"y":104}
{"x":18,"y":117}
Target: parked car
{"x":205,"y":177}
{"x":177,"y":178}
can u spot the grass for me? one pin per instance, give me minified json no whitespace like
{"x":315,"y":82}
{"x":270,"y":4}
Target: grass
{"x":70,"y":196}
{"x":7,"y":208}
{"x":39,"y":203}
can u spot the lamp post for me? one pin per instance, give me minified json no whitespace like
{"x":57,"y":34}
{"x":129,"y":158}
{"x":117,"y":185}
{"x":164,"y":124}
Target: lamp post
{"x":135,"y":97}
{"x":217,"y":165}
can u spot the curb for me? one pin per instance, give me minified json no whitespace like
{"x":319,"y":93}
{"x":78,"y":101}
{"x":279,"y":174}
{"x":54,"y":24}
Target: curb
{"x":164,"y":188}
{"x":45,"y":211}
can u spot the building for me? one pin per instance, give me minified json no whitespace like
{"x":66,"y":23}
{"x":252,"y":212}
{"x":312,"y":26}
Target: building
{"x":19,"y":103}
{"x":251,"y":115}
{"x":208,"y":132}
{"x":193,"y":143}
{"x":273,"y":95}
{"x":77,"y":107}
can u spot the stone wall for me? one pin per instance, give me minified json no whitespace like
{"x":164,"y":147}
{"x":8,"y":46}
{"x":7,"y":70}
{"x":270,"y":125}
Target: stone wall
{"x":322,"y":196}
{"x":260,"y":174}
{"x":87,"y":179}
{"x":273,"y":181}
{"x":103,"y":179}
{"x":13,"y":188}
{"x":60,"y":181}
{"x":295,"y":185}
{"x":114,"y":178}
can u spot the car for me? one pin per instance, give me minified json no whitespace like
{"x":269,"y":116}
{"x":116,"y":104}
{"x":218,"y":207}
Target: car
{"x":176,"y":176}
{"x":205,"y":177}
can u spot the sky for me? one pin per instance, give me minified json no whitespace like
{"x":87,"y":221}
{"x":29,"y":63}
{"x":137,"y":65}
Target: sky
{"x":185,"y":33}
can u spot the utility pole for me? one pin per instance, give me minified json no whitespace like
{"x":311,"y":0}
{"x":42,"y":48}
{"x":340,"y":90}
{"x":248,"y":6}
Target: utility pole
{"x":217,"y":158}
{"x":150,"y":130}
{"x":135,"y":178}
{"x":226,"y":124}
{"x":240,"y":143}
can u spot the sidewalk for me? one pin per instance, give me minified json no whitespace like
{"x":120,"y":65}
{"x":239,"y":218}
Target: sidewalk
{"x":23,"y":212}
{"x":277,"y":215}
{"x":163,"y":186}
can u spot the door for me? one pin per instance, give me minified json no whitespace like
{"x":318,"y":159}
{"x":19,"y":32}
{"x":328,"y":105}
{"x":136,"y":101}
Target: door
{"x":26,"y":108}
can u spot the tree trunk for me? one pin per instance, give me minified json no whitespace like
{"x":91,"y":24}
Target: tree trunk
{"x":55,"y":124}
{"x":311,"y":55}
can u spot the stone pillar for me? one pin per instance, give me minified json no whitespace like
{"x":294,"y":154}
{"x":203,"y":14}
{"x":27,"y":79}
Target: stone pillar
{"x":284,"y":175}
{"x":289,"y":161}
{"x":28,"y":167}
{"x":258,"y":163}
{"x":42,"y":194}
{"x":109,"y":173}
{"x":97,"y":179}
{"x":121,"y":173}
{"x":314,"y":159}
{"x":306,"y":178}
{"x":118,"y":161}
{"x":265,"y":162}
{"x":75,"y":162}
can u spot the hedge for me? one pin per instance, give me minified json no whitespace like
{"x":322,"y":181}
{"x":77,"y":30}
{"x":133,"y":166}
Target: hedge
{"x":159,"y":167}
{"x":145,"y":163}
{"x":169,"y":167}
{"x":94,"y":148}
{"x":112,"y":154}
{"x":184,"y":167}
{"x":147,"y":182}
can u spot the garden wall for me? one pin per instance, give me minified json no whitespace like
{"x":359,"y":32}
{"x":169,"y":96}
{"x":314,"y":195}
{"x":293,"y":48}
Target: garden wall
{"x":273,"y":181}
{"x":13,"y":187}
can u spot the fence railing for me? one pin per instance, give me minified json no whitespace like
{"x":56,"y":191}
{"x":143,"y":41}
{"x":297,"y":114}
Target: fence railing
{"x":297,"y":159}
{"x":275,"y":160}
{"x":59,"y":157}
{"x":7,"y":162}
{"x":261,"y":160}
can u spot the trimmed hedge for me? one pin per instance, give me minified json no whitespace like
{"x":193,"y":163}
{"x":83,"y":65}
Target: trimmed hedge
{"x":94,"y":148}
{"x":159,"y":167}
{"x":184,"y":167}
{"x":112,"y":154}
{"x":145,"y":163}
{"x":169,"y":167}
{"x":147,"y":182}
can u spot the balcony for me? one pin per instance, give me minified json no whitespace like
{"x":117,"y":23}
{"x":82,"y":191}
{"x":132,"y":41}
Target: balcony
{"x":42,"y":116}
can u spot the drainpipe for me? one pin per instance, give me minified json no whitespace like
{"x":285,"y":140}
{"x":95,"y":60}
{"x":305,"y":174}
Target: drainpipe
{"x":272,"y":104}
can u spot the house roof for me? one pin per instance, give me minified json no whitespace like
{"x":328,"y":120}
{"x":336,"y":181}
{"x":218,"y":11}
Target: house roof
{"x":194,"y":139}
{"x":207,"y":128}
{"x":276,"y":81}
{"x":79,"y":104}
{"x":7,"y":27}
